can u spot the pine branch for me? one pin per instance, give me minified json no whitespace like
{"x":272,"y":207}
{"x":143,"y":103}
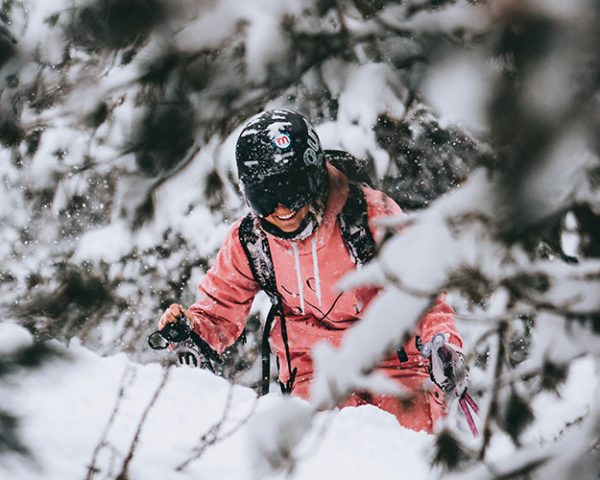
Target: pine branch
{"x":29,"y":358}
{"x":450,"y":453}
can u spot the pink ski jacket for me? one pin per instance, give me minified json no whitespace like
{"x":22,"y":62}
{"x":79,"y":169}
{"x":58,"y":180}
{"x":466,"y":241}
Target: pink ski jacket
{"x":307,"y":272}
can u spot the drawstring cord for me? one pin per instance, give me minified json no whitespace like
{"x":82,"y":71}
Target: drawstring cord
{"x":298,"y":275}
{"x":317,"y":277}
{"x":315,"y":260}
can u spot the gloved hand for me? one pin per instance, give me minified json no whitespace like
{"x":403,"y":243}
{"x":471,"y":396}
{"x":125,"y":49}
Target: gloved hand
{"x":188,"y":354}
{"x":448,"y":370}
{"x":177,"y":334}
{"x":447,"y":367}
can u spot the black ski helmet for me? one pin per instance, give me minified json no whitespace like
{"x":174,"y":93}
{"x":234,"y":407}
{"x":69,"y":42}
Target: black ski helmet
{"x":280,"y":160}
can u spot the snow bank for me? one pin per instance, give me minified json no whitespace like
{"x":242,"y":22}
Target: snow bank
{"x":66,"y":412}
{"x":66,"y":407}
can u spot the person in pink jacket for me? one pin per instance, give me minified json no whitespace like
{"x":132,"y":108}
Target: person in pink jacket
{"x":296,"y":196}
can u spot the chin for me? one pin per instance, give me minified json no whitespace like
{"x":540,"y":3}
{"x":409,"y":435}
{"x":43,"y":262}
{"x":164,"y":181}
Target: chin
{"x":289,"y":228}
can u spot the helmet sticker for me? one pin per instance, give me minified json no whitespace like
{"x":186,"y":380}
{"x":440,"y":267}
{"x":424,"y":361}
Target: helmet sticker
{"x":313,"y":139}
{"x":311,"y":156}
{"x":282,"y":140}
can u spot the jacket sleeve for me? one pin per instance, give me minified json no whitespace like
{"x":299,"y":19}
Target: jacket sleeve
{"x":226,"y":293}
{"x":439,"y":319}
{"x":379,"y":205}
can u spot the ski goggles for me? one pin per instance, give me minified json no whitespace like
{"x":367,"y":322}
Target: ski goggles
{"x":293,"y":191}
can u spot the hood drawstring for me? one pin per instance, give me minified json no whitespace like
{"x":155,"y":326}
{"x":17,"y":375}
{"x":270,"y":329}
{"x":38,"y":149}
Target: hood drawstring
{"x":315,"y":260}
{"x":298,"y":275}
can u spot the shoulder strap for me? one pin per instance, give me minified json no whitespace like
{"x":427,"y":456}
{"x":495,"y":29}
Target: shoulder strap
{"x":256,"y":246}
{"x":354,"y":223}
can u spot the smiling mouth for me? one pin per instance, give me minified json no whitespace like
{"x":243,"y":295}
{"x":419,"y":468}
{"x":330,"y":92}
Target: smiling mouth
{"x":287,"y":217}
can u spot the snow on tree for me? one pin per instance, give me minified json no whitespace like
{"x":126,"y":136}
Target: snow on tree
{"x":497,"y":243}
{"x":118,"y":124}
{"x":119,"y":168}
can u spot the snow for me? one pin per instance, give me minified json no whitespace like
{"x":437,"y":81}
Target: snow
{"x":38,"y":34}
{"x":67,"y":409}
{"x":459,"y":89}
{"x":13,"y":338}
{"x":110,"y":243}
{"x":369,"y":92}
{"x":67,"y":406}
{"x":266,"y":42}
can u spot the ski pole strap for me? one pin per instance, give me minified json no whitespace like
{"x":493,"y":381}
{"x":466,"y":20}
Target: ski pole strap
{"x":209,"y":352}
{"x":276,"y":309}
{"x":266,"y":351}
{"x":465,"y":402}
{"x":287,"y":388}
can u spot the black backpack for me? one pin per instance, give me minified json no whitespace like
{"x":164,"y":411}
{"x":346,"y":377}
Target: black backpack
{"x":353,"y":221}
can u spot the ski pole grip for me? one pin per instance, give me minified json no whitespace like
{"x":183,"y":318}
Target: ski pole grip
{"x":175,"y":332}
{"x":205,"y":348}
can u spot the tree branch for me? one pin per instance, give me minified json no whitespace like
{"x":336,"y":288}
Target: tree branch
{"x":213,"y":435}
{"x":126,"y":380}
{"x":124,"y":475}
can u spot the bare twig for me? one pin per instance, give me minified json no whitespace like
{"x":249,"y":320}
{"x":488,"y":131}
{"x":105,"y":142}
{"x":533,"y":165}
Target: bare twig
{"x":213,"y":436}
{"x":126,"y":379}
{"x":124,"y":470}
{"x":492,"y":410}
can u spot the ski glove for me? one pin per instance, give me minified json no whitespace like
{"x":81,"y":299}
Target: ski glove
{"x":447,"y":367}
{"x":448,"y":370}
{"x":187,"y":354}
{"x":189,"y":348}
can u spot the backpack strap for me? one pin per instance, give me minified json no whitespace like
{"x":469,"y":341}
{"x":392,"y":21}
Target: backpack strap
{"x":354,"y":223}
{"x":256,"y":246}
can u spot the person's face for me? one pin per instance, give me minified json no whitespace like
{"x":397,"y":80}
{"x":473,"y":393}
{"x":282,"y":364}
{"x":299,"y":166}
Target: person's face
{"x":287,"y":220}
